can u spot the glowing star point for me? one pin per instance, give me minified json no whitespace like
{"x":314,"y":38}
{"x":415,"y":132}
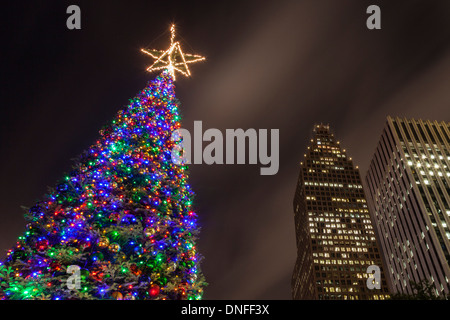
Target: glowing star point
{"x":173,"y":59}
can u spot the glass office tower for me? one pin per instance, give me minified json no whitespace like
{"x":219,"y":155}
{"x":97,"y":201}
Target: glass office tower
{"x":335,"y":239}
{"x":409,"y":179}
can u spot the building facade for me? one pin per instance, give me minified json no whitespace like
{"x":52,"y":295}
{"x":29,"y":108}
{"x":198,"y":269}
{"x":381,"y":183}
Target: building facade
{"x":335,"y":238}
{"x":408,"y":182}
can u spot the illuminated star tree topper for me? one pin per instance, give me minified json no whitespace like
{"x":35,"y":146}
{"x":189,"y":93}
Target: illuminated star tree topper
{"x":172,"y":59}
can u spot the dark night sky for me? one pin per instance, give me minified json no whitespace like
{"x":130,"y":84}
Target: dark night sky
{"x":270,"y":65}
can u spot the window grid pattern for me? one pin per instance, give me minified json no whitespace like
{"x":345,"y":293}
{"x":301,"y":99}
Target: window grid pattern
{"x":409,"y":179}
{"x":335,"y":238}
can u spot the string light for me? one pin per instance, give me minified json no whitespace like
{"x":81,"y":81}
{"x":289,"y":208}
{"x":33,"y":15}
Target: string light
{"x":172,"y":59}
{"x":124,"y":215}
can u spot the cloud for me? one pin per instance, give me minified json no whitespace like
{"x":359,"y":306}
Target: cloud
{"x":271,"y":65}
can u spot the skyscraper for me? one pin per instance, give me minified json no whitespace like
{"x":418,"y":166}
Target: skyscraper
{"x":335,"y":238}
{"x":409,"y":179}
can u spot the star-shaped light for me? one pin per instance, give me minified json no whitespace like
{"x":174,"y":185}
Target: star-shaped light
{"x":173,"y":59}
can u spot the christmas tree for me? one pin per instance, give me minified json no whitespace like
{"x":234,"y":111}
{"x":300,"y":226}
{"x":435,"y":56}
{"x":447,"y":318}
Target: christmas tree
{"x":121,"y":224}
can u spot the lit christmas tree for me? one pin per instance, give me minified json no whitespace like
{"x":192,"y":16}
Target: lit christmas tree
{"x":120,"y":225}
